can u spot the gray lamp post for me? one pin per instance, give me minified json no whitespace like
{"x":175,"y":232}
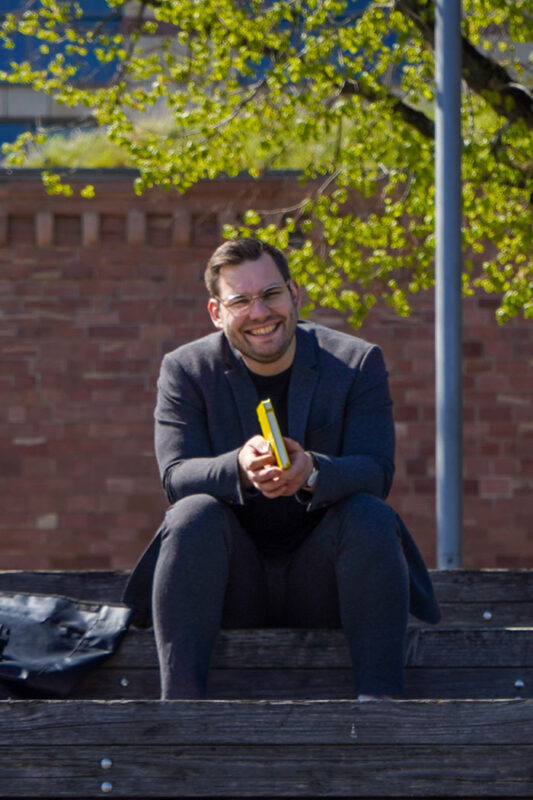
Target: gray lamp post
{"x":448,"y":263}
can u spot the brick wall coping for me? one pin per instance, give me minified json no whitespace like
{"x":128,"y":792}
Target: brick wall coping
{"x":7,"y":174}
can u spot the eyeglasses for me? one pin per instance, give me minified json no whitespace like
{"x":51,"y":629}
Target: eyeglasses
{"x":240,"y":304}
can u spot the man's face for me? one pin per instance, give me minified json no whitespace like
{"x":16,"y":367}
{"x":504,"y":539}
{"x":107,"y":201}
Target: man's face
{"x":263,"y":334}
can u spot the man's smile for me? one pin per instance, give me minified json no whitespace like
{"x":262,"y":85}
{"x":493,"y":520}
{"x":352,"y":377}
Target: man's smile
{"x":266,"y":330}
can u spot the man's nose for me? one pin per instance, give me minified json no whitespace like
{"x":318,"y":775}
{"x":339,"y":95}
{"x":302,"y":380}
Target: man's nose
{"x":258,"y":307}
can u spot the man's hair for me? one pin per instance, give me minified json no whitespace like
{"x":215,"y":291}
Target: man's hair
{"x":236,"y":251}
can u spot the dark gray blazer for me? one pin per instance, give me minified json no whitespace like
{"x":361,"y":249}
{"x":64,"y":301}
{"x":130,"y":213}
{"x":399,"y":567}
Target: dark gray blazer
{"x":339,"y":408}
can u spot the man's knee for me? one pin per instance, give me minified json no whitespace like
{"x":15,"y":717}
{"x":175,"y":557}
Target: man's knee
{"x":199,"y":516}
{"x":368,"y":519}
{"x":362,"y":508}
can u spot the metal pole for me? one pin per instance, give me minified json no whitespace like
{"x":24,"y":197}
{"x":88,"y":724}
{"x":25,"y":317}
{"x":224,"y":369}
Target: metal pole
{"x":448,"y":283}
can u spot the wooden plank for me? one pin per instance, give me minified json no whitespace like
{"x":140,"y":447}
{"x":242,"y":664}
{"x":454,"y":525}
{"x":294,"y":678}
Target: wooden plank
{"x":271,"y":648}
{"x":285,"y":663}
{"x":270,"y":770}
{"x":469,"y":598}
{"x":493,"y":614}
{"x":317,"y":684}
{"x":61,"y":723}
{"x":451,"y":586}
{"x":483,"y":585}
{"x":338,"y":684}
{"x":475,"y":683}
{"x":286,"y":749}
{"x":109,"y":684}
{"x":505,"y":647}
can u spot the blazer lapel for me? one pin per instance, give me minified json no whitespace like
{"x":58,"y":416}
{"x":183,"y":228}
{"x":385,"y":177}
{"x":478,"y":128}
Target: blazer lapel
{"x":304,"y":377}
{"x":244,"y":394}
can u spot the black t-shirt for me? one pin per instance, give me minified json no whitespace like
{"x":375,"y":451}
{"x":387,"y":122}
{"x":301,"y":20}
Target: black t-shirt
{"x":277,"y":525}
{"x":275,"y":387}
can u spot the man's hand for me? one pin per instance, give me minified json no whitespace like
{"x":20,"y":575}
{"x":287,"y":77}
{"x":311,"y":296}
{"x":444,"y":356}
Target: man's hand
{"x":255,"y":459}
{"x":258,"y":468}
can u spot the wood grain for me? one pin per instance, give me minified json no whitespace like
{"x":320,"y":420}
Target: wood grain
{"x":270,"y":770}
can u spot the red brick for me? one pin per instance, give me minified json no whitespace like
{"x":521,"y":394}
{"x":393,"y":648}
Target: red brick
{"x":494,"y":413}
{"x":115,"y":332}
{"x":21,"y":229}
{"x":424,"y":485}
{"x":505,"y":466}
{"x":495,"y":487}
{"x":491,"y":303}
{"x":473,"y":349}
{"x":112,"y":229}
{"x":83,"y":561}
{"x":67,"y":230}
{"x":473,"y":368}
{"x":489,"y":448}
{"x":526,"y":466}
{"x":406,"y":413}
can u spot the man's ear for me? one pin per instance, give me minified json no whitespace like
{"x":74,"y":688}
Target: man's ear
{"x":213,"y":306}
{"x":294,"y":289}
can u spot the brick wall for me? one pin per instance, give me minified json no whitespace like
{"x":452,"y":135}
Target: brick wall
{"x":95,"y":291}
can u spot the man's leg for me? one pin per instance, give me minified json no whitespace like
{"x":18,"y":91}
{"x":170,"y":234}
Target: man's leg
{"x":207,"y":574}
{"x":351,"y":570}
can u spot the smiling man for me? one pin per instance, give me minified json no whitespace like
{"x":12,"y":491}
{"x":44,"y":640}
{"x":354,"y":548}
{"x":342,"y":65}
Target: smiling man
{"x":248,"y":544}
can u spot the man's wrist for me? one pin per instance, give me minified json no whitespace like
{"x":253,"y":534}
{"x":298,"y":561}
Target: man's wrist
{"x":246,"y":483}
{"x":313,"y":475}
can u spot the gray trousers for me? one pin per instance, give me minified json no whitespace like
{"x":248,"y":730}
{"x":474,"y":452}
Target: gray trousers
{"x":349,"y":572}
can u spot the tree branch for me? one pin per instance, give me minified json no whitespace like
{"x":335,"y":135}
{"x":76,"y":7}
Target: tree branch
{"x":417,"y":119}
{"x":486,"y":77}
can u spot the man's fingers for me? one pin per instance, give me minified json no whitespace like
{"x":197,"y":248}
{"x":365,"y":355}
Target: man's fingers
{"x":259,"y":444}
{"x":276,"y":486}
{"x":292,"y":446}
{"x":260,"y":462}
{"x":268,"y":475}
{"x":277,"y":491}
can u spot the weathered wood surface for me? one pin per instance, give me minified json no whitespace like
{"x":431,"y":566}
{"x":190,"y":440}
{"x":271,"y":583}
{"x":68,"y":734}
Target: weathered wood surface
{"x":64,"y":723}
{"x":269,"y":648}
{"x":314,"y":684}
{"x":471,"y":658}
{"x":280,"y":771}
{"x":487,"y":663}
{"x":291,"y":748}
{"x":285,"y":749}
{"x":489,"y":598}
{"x":316,"y":664}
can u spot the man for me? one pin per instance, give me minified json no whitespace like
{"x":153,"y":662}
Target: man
{"x":247,"y":544}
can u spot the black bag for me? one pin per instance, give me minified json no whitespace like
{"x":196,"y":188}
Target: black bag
{"x":48,"y":643}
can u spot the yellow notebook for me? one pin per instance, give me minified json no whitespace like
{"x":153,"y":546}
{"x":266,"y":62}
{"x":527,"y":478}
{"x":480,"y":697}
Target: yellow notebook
{"x":270,"y":430}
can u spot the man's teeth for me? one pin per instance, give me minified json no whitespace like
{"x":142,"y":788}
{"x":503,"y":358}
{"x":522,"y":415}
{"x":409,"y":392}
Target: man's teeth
{"x":263,"y":331}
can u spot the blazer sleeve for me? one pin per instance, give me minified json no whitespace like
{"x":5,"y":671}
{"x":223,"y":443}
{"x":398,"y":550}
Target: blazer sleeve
{"x":366,"y":461}
{"x":182,"y":444}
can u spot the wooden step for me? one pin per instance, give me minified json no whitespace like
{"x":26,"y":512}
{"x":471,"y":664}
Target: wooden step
{"x":137,"y":747}
{"x":473,"y":598}
{"x":485,"y":663}
{"x":469,"y":655}
{"x":149,"y":749}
